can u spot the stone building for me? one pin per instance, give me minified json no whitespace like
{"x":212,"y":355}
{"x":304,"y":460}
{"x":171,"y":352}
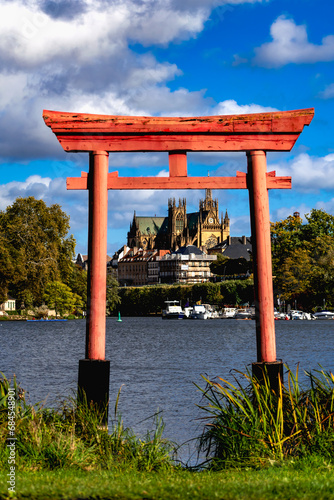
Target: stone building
{"x":203,"y":229}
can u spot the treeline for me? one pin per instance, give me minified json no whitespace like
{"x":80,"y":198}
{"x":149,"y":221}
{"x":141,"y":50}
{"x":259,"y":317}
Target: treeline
{"x":146,"y":300}
{"x":303,"y":260}
{"x":36,"y":256}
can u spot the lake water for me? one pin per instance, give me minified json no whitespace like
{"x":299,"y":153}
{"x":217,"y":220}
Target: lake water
{"x":156,"y":362}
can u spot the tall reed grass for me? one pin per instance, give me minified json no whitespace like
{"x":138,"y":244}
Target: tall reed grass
{"x":248,"y":424}
{"x":74,"y":436}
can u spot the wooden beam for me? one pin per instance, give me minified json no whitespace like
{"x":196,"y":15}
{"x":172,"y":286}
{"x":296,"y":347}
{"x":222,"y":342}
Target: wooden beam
{"x":277,"y":121}
{"x":177,"y":164}
{"x":275,"y":131}
{"x":188,"y":143}
{"x":178,"y":182}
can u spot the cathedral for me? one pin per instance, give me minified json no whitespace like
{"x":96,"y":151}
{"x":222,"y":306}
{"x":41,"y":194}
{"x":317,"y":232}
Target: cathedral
{"x":204,"y":229}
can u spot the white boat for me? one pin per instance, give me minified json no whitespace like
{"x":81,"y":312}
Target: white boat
{"x":281,"y":316}
{"x":229,"y":312}
{"x":173,"y":310}
{"x":298,"y":315}
{"x":200,"y":312}
{"x":324,"y":315}
{"x":187,"y":312}
{"x":245,"y":313}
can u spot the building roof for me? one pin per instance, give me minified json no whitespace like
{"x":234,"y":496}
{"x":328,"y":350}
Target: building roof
{"x":236,"y":248}
{"x":152,"y":225}
{"x":187,"y":250}
{"x":139,"y":256}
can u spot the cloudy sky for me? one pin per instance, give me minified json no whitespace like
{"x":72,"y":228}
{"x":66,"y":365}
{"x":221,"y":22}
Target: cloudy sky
{"x":164,"y":58}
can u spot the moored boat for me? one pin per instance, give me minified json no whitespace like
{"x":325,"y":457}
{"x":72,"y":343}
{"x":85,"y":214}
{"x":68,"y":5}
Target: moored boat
{"x":245,"y":313}
{"x":228,"y":312}
{"x":173,"y":310}
{"x":199,"y":312}
{"x":324,"y":315}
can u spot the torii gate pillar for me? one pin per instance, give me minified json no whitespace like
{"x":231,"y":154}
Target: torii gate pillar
{"x":94,"y":370}
{"x":263,"y":281}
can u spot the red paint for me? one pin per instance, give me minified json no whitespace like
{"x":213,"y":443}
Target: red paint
{"x":275,"y":131}
{"x":177,"y":164}
{"x":97,"y":251}
{"x":180,"y":182}
{"x":261,"y":243}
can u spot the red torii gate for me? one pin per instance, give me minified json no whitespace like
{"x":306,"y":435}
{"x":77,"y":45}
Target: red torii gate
{"x":98,"y":135}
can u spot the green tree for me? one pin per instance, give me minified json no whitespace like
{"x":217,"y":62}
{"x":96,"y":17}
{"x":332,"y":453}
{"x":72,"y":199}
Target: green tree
{"x":77,"y":281}
{"x":303,"y":259}
{"x":35,"y":246}
{"x":219,"y":266}
{"x":59,"y":296}
{"x":113,"y":297}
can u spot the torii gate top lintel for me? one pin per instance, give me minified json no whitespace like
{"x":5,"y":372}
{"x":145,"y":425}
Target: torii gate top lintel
{"x":273,"y":131}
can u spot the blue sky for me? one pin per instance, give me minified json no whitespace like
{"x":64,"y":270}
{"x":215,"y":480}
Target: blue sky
{"x":165,"y":58}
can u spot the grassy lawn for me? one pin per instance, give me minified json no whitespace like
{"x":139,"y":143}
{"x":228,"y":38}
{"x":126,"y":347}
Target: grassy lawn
{"x":304,"y":479}
{"x":261,"y":444}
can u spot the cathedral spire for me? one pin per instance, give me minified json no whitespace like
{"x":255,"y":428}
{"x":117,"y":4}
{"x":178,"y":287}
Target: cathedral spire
{"x":208,"y":194}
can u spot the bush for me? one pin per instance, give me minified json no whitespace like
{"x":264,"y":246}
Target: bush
{"x":74,"y":436}
{"x":252,"y":425}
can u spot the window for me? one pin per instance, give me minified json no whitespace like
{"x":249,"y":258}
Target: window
{"x":179,"y":225}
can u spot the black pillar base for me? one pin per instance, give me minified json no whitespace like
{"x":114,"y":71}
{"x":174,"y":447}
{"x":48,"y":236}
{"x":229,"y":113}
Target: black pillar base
{"x":273,"y":370}
{"x":93,"y":384}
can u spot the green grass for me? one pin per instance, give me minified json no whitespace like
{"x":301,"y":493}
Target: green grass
{"x":303,"y":479}
{"x":260,"y":445}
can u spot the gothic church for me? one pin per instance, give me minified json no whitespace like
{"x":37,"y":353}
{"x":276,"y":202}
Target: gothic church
{"x":203,"y":229}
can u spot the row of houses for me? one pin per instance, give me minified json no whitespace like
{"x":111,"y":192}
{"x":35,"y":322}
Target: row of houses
{"x":140,"y":267}
{"x":188,"y":264}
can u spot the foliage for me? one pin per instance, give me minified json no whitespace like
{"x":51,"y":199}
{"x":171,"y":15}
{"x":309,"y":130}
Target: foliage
{"x":219,"y":266}
{"x":69,"y":456}
{"x":35,"y":249}
{"x":224,"y":266}
{"x":146,"y":300}
{"x":77,"y":281}
{"x":303,"y":259}
{"x":58,"y":296}
{"x":73,"y":437}
{"x":252,"y":425}
{"x":113,"y":297}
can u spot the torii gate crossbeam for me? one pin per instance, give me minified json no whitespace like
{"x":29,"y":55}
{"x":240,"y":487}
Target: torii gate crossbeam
{"x":255,"y":134}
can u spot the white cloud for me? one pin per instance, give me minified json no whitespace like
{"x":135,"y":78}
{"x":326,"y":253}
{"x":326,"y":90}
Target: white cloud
{"x":290,"y":44}
{"x":328,"y":92}
{"x":35,"y":185}
{"x":282,"y":213}
{"x":309,"y":174}
{"x":328,"y":206}
{"x":31,"y":37}
{"x":231,"y":107}
{"x":75,"y":56}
